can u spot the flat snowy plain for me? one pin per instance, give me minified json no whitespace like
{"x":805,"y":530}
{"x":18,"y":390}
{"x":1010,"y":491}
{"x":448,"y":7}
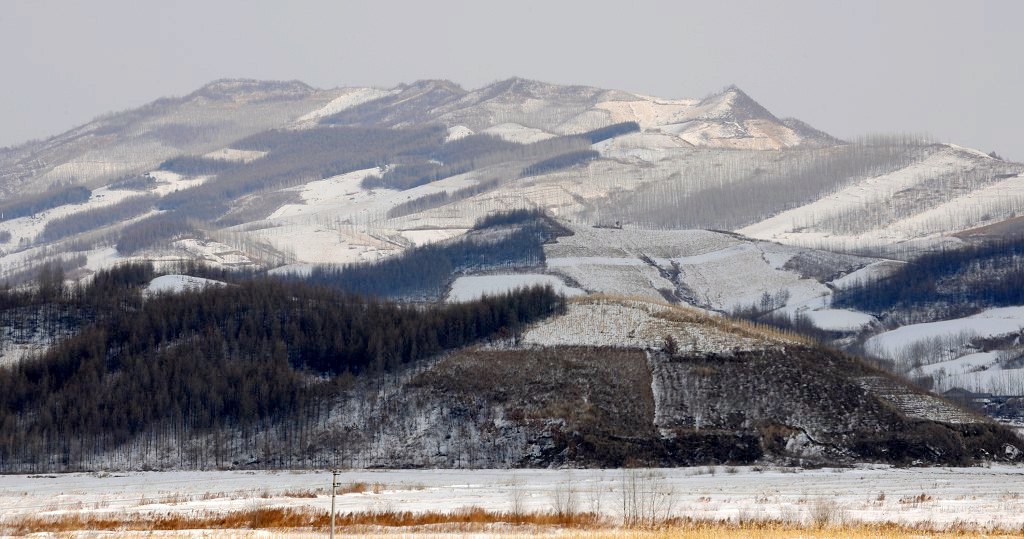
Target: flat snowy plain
{"x":982,"y":498}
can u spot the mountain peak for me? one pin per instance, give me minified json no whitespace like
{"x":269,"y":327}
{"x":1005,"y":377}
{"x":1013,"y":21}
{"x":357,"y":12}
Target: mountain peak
{"x":517,"y":85}
{"x":232,"y":88}
{"x":434,"y":85}
{"x":735,"y":104}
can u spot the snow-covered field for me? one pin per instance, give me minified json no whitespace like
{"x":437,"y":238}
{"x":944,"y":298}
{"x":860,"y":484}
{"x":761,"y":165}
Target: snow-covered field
{"x":990,"y":323}
{"x":474,"y":287}
{"x":969,"y":497}
{"x":949,"y":355}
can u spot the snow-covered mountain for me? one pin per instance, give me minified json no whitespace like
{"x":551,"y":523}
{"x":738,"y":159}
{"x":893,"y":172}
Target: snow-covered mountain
{"x":660,"y":217}
{"x":221,"y":112}
{"x":723,"y":162}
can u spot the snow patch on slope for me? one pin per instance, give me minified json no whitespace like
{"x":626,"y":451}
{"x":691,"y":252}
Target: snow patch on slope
{"x":839,"y":319}
{"x":238,"y":156}
{"x":458,"y":131}
{"x":31,"y":226}
{"x":521,"y":134}
{"x":169,"y":182}
{"x":351,"y":98}
{"x":474,"y":287}
{"x":178,"y":283}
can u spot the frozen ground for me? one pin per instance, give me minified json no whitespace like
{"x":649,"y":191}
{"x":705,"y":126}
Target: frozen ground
{"x":971,"y":497}
{"x":474,"y":287}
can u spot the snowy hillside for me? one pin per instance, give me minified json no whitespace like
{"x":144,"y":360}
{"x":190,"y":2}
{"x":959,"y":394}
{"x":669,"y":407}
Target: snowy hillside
{"x":178,"y":283}
{"x":951,"y":189}
{"x":723,"y":162}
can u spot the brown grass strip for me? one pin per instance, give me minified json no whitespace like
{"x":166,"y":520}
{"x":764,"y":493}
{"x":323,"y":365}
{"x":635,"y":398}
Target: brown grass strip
{"x":475,"y":519}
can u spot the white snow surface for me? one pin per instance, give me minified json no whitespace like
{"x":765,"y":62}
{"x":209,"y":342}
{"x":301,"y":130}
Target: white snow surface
{"x":962,"y":364}
{"x":474,"y":287}
{"x":178,"y":283}
{"x":839,"y":319}
{"x":875,"y":270}
{"x":990,"y":323}
{"x":708,"y":123}
{"x":979,"y":372}
{"x":169,"y":182}
{"x":232,"y":154}
{"x":980,"y":498}
{"x":458,"y":131}
{"x":336,"y":221}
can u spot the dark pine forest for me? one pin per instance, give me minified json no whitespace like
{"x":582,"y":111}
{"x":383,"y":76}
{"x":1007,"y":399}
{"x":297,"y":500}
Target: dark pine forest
{"x":244,"y":357}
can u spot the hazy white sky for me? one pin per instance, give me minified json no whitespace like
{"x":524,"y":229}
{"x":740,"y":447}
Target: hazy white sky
{"x":949,"y":68}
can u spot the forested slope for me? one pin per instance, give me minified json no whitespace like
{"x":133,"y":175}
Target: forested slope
{"x":173,"y":368}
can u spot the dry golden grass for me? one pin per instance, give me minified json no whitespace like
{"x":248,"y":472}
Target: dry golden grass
{"x":290,"y":518}
{"x":306,"y":522}
{"x":262,"y":518}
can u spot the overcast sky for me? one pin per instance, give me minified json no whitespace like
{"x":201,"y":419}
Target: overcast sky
{"x":949,"y":68}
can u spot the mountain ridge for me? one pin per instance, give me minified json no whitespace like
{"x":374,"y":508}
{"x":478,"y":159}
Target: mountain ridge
{"x":241,"y":91}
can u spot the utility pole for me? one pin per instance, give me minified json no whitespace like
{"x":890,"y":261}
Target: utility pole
{"x":334,"y":490}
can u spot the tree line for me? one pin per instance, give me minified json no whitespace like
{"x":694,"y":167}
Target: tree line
{"x":296,"y":157}
{"x":33,"y":204}
{"x":427,"y":271}
{"x":183,"y":366}
{"x":949,"y":282}
{"x":84,"y":221}
{"x":729,"y":189}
